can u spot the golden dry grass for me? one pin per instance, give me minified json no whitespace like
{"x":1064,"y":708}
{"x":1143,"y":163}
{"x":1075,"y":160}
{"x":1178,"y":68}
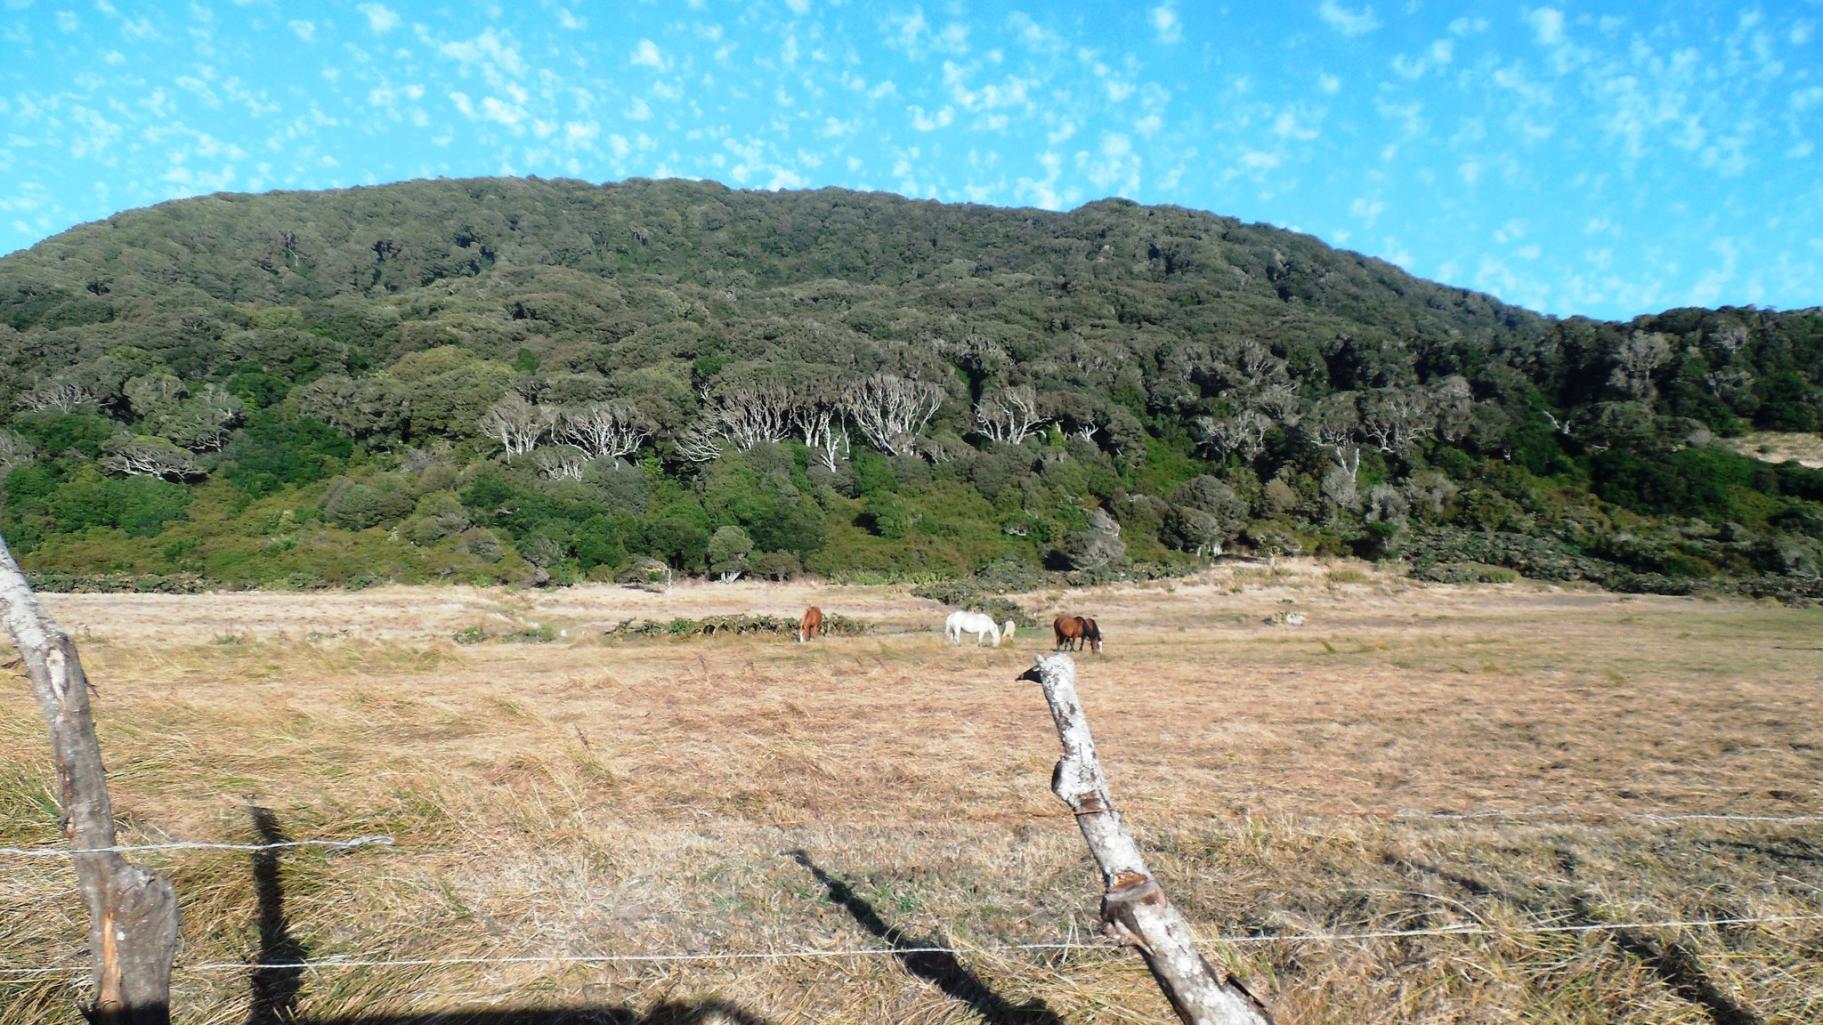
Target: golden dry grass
{"x":1777,"y":447}
{"x":578,"y":798}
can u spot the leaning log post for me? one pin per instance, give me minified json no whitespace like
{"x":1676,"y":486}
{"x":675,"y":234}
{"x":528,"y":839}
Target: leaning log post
{"x":1133,"y":907}
{"x":132,"y":911}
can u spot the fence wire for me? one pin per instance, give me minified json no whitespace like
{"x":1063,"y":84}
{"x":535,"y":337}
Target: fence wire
{"x":1250,"y":939}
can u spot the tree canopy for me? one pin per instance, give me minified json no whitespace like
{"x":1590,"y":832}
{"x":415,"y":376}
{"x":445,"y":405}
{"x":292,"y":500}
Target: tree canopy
{"x":531,"y":380}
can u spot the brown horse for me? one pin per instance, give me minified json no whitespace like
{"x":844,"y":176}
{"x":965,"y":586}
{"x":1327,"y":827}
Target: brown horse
{"x":811,"y":624}
{"x":1075,"y":631}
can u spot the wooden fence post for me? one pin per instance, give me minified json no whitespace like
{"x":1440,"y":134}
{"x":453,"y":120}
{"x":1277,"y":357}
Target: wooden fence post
{"x":132,"y":912}
{"x":1133,"y":907}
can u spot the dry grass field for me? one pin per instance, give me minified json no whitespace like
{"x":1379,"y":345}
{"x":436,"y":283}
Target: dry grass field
{"x":1476,"y":764}
{"x":1774,"y":447}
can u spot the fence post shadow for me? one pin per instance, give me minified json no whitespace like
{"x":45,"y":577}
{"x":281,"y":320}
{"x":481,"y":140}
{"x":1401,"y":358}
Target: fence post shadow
{"x":277,"y":980}
{"x":941,"y":969}
{"x":275,"y":986}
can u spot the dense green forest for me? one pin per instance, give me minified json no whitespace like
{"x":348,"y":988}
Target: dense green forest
{"x":548,"y":381}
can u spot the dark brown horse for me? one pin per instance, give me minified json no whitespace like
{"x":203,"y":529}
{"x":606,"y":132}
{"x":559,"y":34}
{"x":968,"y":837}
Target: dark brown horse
{"x":1075,"y":631}
{"x":811,"y":624}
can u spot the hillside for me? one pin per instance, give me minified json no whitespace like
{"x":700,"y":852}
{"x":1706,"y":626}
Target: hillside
{"x":528,"y":380}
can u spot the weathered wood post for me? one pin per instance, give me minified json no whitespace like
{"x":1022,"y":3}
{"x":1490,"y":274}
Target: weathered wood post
{"x":1133,"y":908}
{"x":132,"y":912}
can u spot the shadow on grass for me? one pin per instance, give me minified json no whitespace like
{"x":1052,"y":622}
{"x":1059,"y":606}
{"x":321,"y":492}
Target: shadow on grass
{"x":1675,"y":965}
{"x":671,"y":1012}
{"x":277,"y":987}
{"x":940,"y":969}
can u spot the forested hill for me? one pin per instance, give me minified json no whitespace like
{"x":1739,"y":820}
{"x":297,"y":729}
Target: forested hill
{"x":528,"y":380}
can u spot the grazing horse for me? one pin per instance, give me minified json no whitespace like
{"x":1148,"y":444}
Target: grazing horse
{"x":1007,"y":628}
{"x":981,"y":626}
{"x":1075,"y":631}
{"x":811,"y":624}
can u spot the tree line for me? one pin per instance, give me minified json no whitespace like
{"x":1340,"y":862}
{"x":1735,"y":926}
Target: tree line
{"x":528,"y":380}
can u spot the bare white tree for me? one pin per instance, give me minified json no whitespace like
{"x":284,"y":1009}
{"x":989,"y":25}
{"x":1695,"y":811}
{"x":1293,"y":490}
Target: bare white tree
{"x":1279,"y":401}
{"x":1335,"y":425}
{"x":560,"y":462}
{"x":61,"y":396}
{"x":150,"y":394}
{"x":515,"y":423}
{"x":750,"y":414}
{"x":1635,"y":360}
{"x":204,"y":421}
{"x":824,"y":430}
{"x":1243,"y":434}
{"x":1010,"y":415}
{"x":700,"y":444}
{"x":890,"y":410}
{"x":1395,"y":418}
{"x":608,"y":429}
{"x":1255,"y":365}
{"x":150,"y":457}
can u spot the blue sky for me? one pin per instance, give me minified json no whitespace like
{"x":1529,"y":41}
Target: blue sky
{"x":1606,"y":160}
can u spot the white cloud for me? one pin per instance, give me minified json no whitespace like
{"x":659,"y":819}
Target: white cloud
{"x":1329,"y":84}
{"x":1035,"y":36}
{"x":1114,"y":167}
{"x":647,"y":55}
{"x":380,"y":17}
{"x":570,"y":22}
{"x":1547,"y":25}
{"x":798,"y":6}
{"x":1466,"y":26}
{"x":1165,"y":24}
{"x":1258,"y":161}
{"x":305,"y":30}
{"x":1366,"y":210}
{"x":500,"y":112}
{"x":912,"y":28}
{"x":930,"y":122}
{"x":1347,"y":22}
{"x":1288,"y":126}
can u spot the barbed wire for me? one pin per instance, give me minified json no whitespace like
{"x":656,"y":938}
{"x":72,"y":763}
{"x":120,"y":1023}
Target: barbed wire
{"x":1551,"y":815}
{"x":1250,"y":939}
{"x":193,"y":845}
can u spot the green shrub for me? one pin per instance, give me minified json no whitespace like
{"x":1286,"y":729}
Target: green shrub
{"x":1464,"y":573}
{"x":352,"y":505}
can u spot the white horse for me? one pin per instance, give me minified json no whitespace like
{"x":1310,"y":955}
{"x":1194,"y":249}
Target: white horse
{"x":1007,"y":628}
{"x":975,"y":623}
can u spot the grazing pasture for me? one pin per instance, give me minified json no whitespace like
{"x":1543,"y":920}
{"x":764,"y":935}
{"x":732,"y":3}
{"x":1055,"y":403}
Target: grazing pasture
{"x":1473,"y":767}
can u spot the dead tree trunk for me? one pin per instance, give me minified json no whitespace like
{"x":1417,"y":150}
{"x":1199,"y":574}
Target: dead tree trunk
{"x":132,"y":912}
{"x":1133,"y":908}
